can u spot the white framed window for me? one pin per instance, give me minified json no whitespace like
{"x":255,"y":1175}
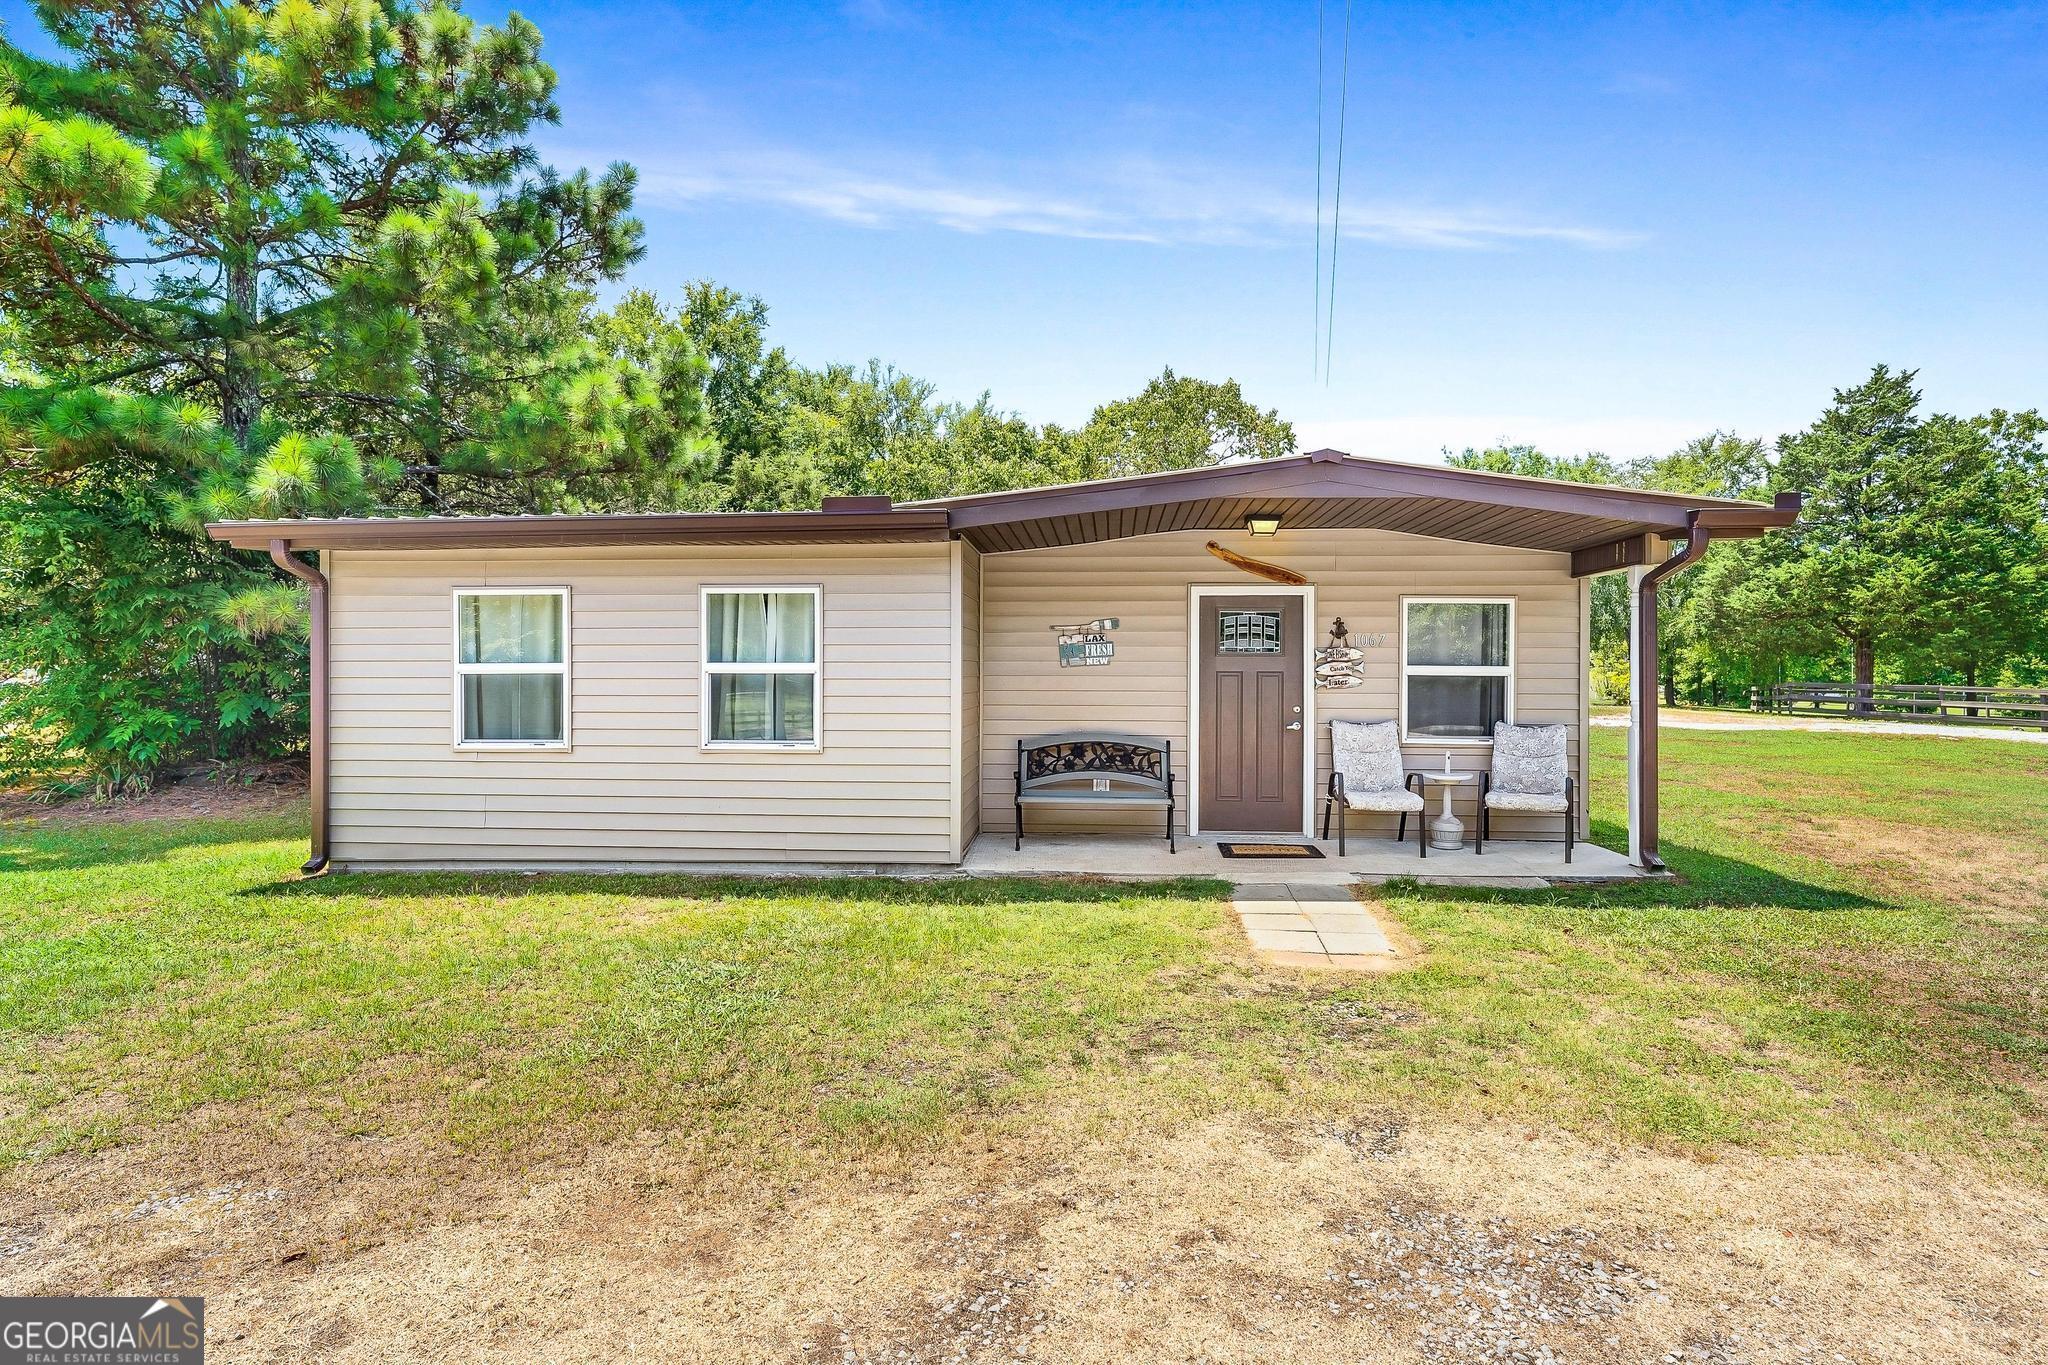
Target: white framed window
{"x":760,"y":683}
{"x":1457,"y":668}
{"x":512,"y":668}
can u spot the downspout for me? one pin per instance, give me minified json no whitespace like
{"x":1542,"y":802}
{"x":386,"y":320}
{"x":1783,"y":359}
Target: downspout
{"x":316,"y":603}
{"x":1643,"y":666}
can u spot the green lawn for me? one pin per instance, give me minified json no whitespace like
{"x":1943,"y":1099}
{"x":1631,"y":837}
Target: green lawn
{"x":1853,"y":962}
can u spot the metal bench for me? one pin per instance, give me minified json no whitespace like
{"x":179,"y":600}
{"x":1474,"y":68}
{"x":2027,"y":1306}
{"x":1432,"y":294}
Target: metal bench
{"x":1095,"y":770}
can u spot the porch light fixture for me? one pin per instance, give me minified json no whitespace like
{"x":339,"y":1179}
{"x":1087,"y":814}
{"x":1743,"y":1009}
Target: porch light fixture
{"x":1263,"y":524}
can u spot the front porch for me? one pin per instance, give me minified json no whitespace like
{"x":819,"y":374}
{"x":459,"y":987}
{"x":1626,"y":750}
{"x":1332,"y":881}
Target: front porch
{"x":1506,"y":862}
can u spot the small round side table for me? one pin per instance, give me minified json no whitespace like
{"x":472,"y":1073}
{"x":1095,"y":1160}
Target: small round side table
{"x":1447,"y":831}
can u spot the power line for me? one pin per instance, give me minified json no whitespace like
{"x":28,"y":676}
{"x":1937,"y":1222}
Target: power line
{"x":1316,"y":336}
{"x":1337,"y":198}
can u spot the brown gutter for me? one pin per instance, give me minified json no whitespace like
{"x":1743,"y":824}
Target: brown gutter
{"x":316,"y":602}
{"x":1645,"y":659}
{"x":1743,"y":523}
{"x":848,"y":521}
{"x":1702,"y":526}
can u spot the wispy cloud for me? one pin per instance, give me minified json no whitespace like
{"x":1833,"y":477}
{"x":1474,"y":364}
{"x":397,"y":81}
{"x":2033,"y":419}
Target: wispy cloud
{"x":880,"y":14}
{"x":1129,"y":200}
{"x":1643,"y":84}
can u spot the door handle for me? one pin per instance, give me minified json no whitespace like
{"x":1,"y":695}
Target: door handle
{"x":1295,"y":726}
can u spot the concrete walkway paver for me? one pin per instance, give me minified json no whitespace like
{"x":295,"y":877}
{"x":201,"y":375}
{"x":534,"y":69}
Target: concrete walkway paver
{"x":1311,"y":926}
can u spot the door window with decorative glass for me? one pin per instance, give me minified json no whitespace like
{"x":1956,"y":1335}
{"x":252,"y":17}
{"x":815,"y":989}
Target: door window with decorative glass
{"x":512,"y":667}
{"x":1457,"y":667}
{"x":1248,"y":632}
{"x":761,"y":667}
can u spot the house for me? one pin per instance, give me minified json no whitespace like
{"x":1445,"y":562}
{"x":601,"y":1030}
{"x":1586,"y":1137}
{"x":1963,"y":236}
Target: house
{"x":850,"y":685}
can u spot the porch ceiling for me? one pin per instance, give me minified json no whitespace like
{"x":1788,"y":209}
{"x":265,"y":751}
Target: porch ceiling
{"x":1445,"y":518}
{"x":1328,"y":489}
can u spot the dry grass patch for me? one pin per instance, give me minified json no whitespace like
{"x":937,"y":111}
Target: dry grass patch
{"x":1997,"y":877}
{"x":1376,"y":1239}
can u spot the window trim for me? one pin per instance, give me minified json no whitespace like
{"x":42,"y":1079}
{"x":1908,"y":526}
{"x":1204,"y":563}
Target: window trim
{"x":706,"y":670}
{"x":462,"y":670}
{"x":1506,"y":670}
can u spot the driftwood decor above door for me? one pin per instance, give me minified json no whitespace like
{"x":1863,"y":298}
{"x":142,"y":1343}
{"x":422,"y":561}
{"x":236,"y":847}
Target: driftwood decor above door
{"x":1272,"y":573}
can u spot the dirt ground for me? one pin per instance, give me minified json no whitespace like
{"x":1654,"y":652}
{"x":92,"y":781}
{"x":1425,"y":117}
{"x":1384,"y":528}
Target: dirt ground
{"x":1233,"y":1240}
{"x":250,"y":791}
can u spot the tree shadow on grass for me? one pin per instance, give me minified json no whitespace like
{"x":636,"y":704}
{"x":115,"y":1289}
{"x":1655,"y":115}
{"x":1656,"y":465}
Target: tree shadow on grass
{"x":41,"y":846}
{"x":1702,"y":881}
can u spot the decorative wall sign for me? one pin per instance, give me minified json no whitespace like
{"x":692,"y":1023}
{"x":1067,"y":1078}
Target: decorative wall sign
{"x":1341,"y":664}
{"x":1258,"y":568}
{"x":1086,"y":646}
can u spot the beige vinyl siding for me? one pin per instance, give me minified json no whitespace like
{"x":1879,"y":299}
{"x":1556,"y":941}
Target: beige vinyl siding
{"x":635,"y":787}
{"x":1359,"y":575}
{"x":967,"y":728}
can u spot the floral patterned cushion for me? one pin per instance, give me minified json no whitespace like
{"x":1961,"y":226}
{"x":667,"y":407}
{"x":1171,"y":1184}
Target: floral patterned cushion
{"x":1399,"y":799}
{"x":1528,"y":758}
{"x":1368,"y":753}
{"x":1499,"y":800}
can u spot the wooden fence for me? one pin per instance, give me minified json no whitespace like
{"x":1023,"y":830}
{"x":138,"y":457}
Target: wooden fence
{"x":2024,"y":708}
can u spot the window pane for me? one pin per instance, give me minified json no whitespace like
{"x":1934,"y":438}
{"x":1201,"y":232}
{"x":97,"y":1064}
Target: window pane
{"x":506,"y":628}
{"x":764,"y":708}
{"x":1456,"y":708}
{"x":1248,"y":632}
{"x":761,"y":628}
{"x":524,"y":707}
{"x":1458,"y":634}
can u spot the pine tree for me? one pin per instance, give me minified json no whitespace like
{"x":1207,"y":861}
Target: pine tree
{"x":323,"y":225}
{"x":284,"y":258}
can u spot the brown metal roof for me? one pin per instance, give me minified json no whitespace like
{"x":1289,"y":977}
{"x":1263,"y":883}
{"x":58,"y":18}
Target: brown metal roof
{"x":1328,"y":488}
{"x":1323,"y":489}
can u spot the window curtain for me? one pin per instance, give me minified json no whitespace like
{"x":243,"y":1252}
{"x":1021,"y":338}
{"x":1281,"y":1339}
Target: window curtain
{"x":763,"y":708}
{"x":762,"y":628}
{"x":512,"y":708}
{"x":502,"y":628}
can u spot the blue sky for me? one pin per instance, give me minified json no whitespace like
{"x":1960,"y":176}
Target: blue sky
{"x":1603,"y":228}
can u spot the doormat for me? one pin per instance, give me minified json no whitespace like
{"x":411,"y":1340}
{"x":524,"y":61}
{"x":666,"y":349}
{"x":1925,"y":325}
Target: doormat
{"x":1269,"y":850}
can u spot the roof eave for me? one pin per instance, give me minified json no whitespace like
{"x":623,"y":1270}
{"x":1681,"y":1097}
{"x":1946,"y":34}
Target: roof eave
{"x":895,"y":526}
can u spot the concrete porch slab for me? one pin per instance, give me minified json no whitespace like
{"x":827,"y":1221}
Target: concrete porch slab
{"x":1506,"y":863}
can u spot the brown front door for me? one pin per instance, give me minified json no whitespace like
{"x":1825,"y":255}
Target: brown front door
{"x":1250,"y":698}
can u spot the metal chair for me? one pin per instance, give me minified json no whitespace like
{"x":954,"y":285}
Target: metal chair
{"x":1366,"y":774}
{"x":1531,"y":772}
